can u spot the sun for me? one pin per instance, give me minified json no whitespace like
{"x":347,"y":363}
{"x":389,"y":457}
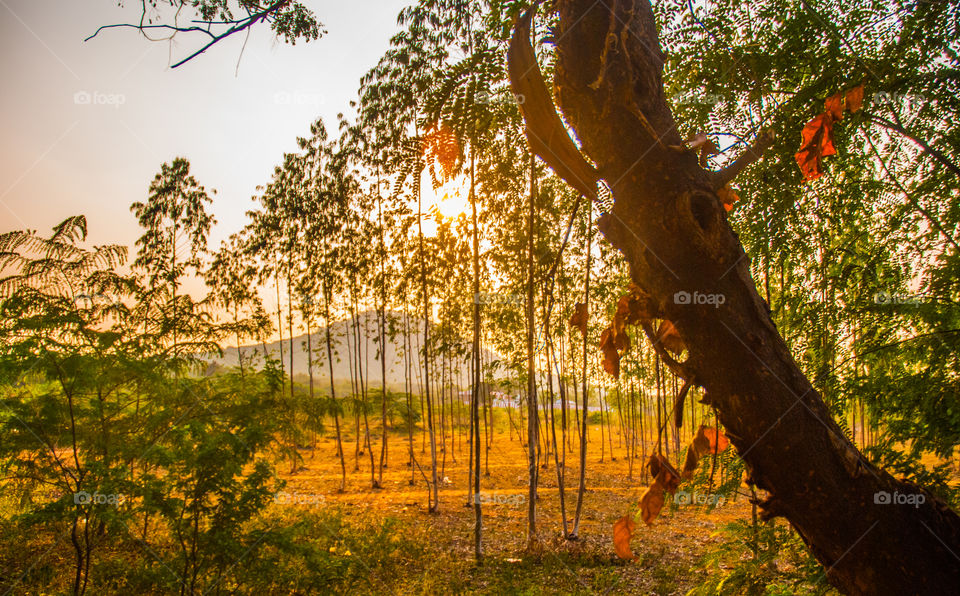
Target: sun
{"x":451,"y":199}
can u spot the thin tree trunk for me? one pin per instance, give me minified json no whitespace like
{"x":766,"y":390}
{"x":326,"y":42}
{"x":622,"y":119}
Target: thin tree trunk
{"x":533,"y":415}
{"x":584,"y":428}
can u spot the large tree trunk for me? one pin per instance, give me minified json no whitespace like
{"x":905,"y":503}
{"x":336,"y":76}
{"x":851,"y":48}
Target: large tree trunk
{"x":670,"y":225}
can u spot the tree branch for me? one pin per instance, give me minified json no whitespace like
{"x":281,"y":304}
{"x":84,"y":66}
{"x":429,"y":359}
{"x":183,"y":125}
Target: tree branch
{"x":235,"y":27}
{"x":750,"y":154}
{"x":936,"y":154}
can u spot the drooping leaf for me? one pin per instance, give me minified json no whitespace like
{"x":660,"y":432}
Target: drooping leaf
{"x":651,"y":502}
{"x":634,"y":307}
{"x":622,"y":533}
{"x":664,"y":472}
{"x":716,"y":440}
{"x":817,"y":143}
{"x":579,"y":317}
{"x":817,"y":134}
{"x":855,"y":99}
{"x":707,"y":440}
{"x":611,"y":357}
{"x":834,"y":106}
{"x":728,"y":197}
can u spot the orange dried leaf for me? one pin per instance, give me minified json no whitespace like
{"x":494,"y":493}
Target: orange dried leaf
{"x":579,"y":317}
{"x":834,"y":106}
{"x":651,"y":502}
{"x":854,"y":99}
{"x":728,"y":197}
{"x":663,"y":472}
{"x":817,"y":143}
{"x":611,"y":357}
{"x":713,"y":440}
{"x":634,"y":307}
{"x":622,"y":533}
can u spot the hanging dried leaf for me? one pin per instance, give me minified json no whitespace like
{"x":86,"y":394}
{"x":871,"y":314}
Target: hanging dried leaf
{"x":707,"y":440}
{"x":546,"y":133}
{"x":834,"y":106}
{"x":611,"y":357}
{"x":622,"y":533}
{"x":855,"y":99}
{"x":700,"y":444}
{"x":579,"y":317}
{"x":728,"y":197}
{"x":817,"y":134}
{"x":669,"y":337}
{"x":817,"y":143}
{"x":651,"y":502}
{"x":664,"y":472}
{"x":717,"y":441}
{"x":634,"y":307}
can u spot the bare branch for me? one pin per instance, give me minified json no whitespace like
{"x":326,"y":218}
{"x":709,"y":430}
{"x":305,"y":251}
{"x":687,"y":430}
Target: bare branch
{"x":235,"y":26}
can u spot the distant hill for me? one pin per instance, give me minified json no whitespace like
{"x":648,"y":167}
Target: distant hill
{"x":341,"y":369}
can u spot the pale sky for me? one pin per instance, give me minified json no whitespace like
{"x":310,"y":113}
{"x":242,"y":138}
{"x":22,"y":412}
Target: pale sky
{"x":86,"y":126}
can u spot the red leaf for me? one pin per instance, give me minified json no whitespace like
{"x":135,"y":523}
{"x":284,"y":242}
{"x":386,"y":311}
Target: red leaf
{"x":710,"y":440}
{"x":818,"y":133}
{"x":834,"y":106}
{"x":622,"y":533}
{"x":817,"y":143}
{"x":728,"y":197}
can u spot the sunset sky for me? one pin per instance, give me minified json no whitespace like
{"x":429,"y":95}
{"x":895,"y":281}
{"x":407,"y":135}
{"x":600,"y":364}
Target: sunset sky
{"x":86,"y":125}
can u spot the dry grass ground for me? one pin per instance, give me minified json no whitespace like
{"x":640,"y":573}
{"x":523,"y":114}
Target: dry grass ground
{"x":666,"y":552}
